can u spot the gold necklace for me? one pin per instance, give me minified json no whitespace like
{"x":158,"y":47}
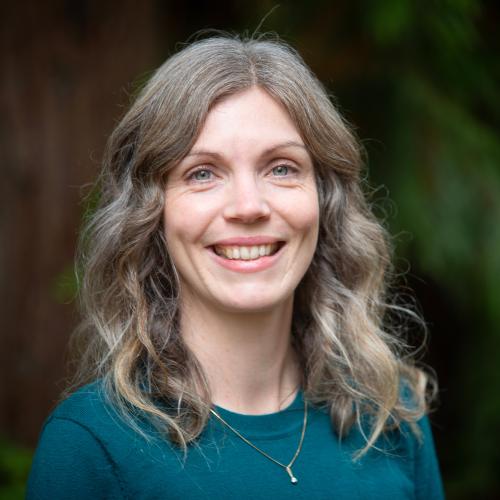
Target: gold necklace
{"x":288,"y":467}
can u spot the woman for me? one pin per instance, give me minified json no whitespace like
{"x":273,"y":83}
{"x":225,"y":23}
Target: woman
{"x":234,"y":295}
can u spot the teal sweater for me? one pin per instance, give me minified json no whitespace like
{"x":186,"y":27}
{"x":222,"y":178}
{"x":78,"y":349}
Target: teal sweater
{"x":87,"y":452}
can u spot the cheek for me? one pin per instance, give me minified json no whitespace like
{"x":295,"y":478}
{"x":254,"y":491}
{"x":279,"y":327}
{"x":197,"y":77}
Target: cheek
{"x":303,"y":212}
{"x":186,"y":220}
{"x":309,"y":214}
{"x":177,"y":228}
{"x":305,"y":221}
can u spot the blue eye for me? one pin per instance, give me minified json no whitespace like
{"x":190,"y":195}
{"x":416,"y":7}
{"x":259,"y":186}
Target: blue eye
{"x":280,"y":170}
{"x":201,"y":175}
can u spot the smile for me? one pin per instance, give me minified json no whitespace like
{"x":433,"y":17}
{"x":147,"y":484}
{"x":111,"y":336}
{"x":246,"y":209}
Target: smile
{"x":253,"y":252}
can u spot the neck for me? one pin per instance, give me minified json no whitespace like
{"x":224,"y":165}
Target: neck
{"x":248,"y":358}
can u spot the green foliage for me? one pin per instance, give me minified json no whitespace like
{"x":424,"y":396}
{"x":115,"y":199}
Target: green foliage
{"x":64,"y":287}
{"x":15,"y":463}
{"x":390,"y":20}
{"x":445,"y":178}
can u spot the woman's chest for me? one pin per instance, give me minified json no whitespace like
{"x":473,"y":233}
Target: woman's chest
{"x":223,"y":466}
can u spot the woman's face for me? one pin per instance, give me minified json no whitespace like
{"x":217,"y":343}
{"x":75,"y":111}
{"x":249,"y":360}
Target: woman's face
{"x":241,"y":212}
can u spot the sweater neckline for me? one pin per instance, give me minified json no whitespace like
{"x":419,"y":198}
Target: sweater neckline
{"x":267,"y":426}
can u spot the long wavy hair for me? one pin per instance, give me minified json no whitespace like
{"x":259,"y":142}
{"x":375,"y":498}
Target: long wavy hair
{"x":352,"y":362}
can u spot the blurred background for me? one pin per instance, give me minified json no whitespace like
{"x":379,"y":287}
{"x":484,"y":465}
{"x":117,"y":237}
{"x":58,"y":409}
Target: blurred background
{"x":417,"y":79}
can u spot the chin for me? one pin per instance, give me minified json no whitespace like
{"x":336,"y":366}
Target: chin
{"x":251,"y":305}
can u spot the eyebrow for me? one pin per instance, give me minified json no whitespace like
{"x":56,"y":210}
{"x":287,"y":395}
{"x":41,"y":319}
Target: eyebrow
{"x":267,"y":152}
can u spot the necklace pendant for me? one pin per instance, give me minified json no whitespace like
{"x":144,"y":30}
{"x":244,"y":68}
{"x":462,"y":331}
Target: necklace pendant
{"x":293,"y":479}
{"x":288,"y":467}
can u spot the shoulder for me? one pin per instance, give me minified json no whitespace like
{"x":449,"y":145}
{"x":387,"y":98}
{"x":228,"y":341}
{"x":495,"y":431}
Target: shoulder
{"x":428,"y":482}
{"x":90,"y":415}
{"x":417,"y":441}
{"x":85,"y":405}
{"x":90,"y":408}
{"x":72,"y":459}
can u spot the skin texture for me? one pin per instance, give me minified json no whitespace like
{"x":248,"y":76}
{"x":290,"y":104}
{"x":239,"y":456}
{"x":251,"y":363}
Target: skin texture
{"x":247,"y":175}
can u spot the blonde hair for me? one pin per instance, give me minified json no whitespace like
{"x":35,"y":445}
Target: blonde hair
{"x":129,"y":292}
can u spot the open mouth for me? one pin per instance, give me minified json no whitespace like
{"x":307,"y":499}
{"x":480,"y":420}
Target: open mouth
{"x":252,"y":252}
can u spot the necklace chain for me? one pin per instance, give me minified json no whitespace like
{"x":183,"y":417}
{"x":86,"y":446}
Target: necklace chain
{"x":288,"y":467}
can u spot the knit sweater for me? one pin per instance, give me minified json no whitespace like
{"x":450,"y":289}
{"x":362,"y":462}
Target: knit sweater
{"x":86,"y":451}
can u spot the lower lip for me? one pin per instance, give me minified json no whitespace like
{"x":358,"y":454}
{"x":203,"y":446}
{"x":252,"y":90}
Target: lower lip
{"x":247,"y":266}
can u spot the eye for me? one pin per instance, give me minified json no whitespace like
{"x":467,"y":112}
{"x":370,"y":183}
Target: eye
{"x":281,"y":170}
{"x":201,"y":175}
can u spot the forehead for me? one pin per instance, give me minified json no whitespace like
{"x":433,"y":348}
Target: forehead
{"x":249,"y":117}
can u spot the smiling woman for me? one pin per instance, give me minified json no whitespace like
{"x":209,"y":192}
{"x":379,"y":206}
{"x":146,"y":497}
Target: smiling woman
{"x":234,"y":296}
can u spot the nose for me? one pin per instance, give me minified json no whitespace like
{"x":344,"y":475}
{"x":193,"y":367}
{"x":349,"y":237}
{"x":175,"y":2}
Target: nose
{"x":246,"y":201}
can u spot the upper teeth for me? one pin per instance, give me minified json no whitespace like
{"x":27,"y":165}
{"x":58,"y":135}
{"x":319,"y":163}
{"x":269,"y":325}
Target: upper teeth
{"x":246,"y":253}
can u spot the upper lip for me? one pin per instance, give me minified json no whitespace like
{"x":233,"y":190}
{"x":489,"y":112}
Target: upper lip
{"x":247,"y":241}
